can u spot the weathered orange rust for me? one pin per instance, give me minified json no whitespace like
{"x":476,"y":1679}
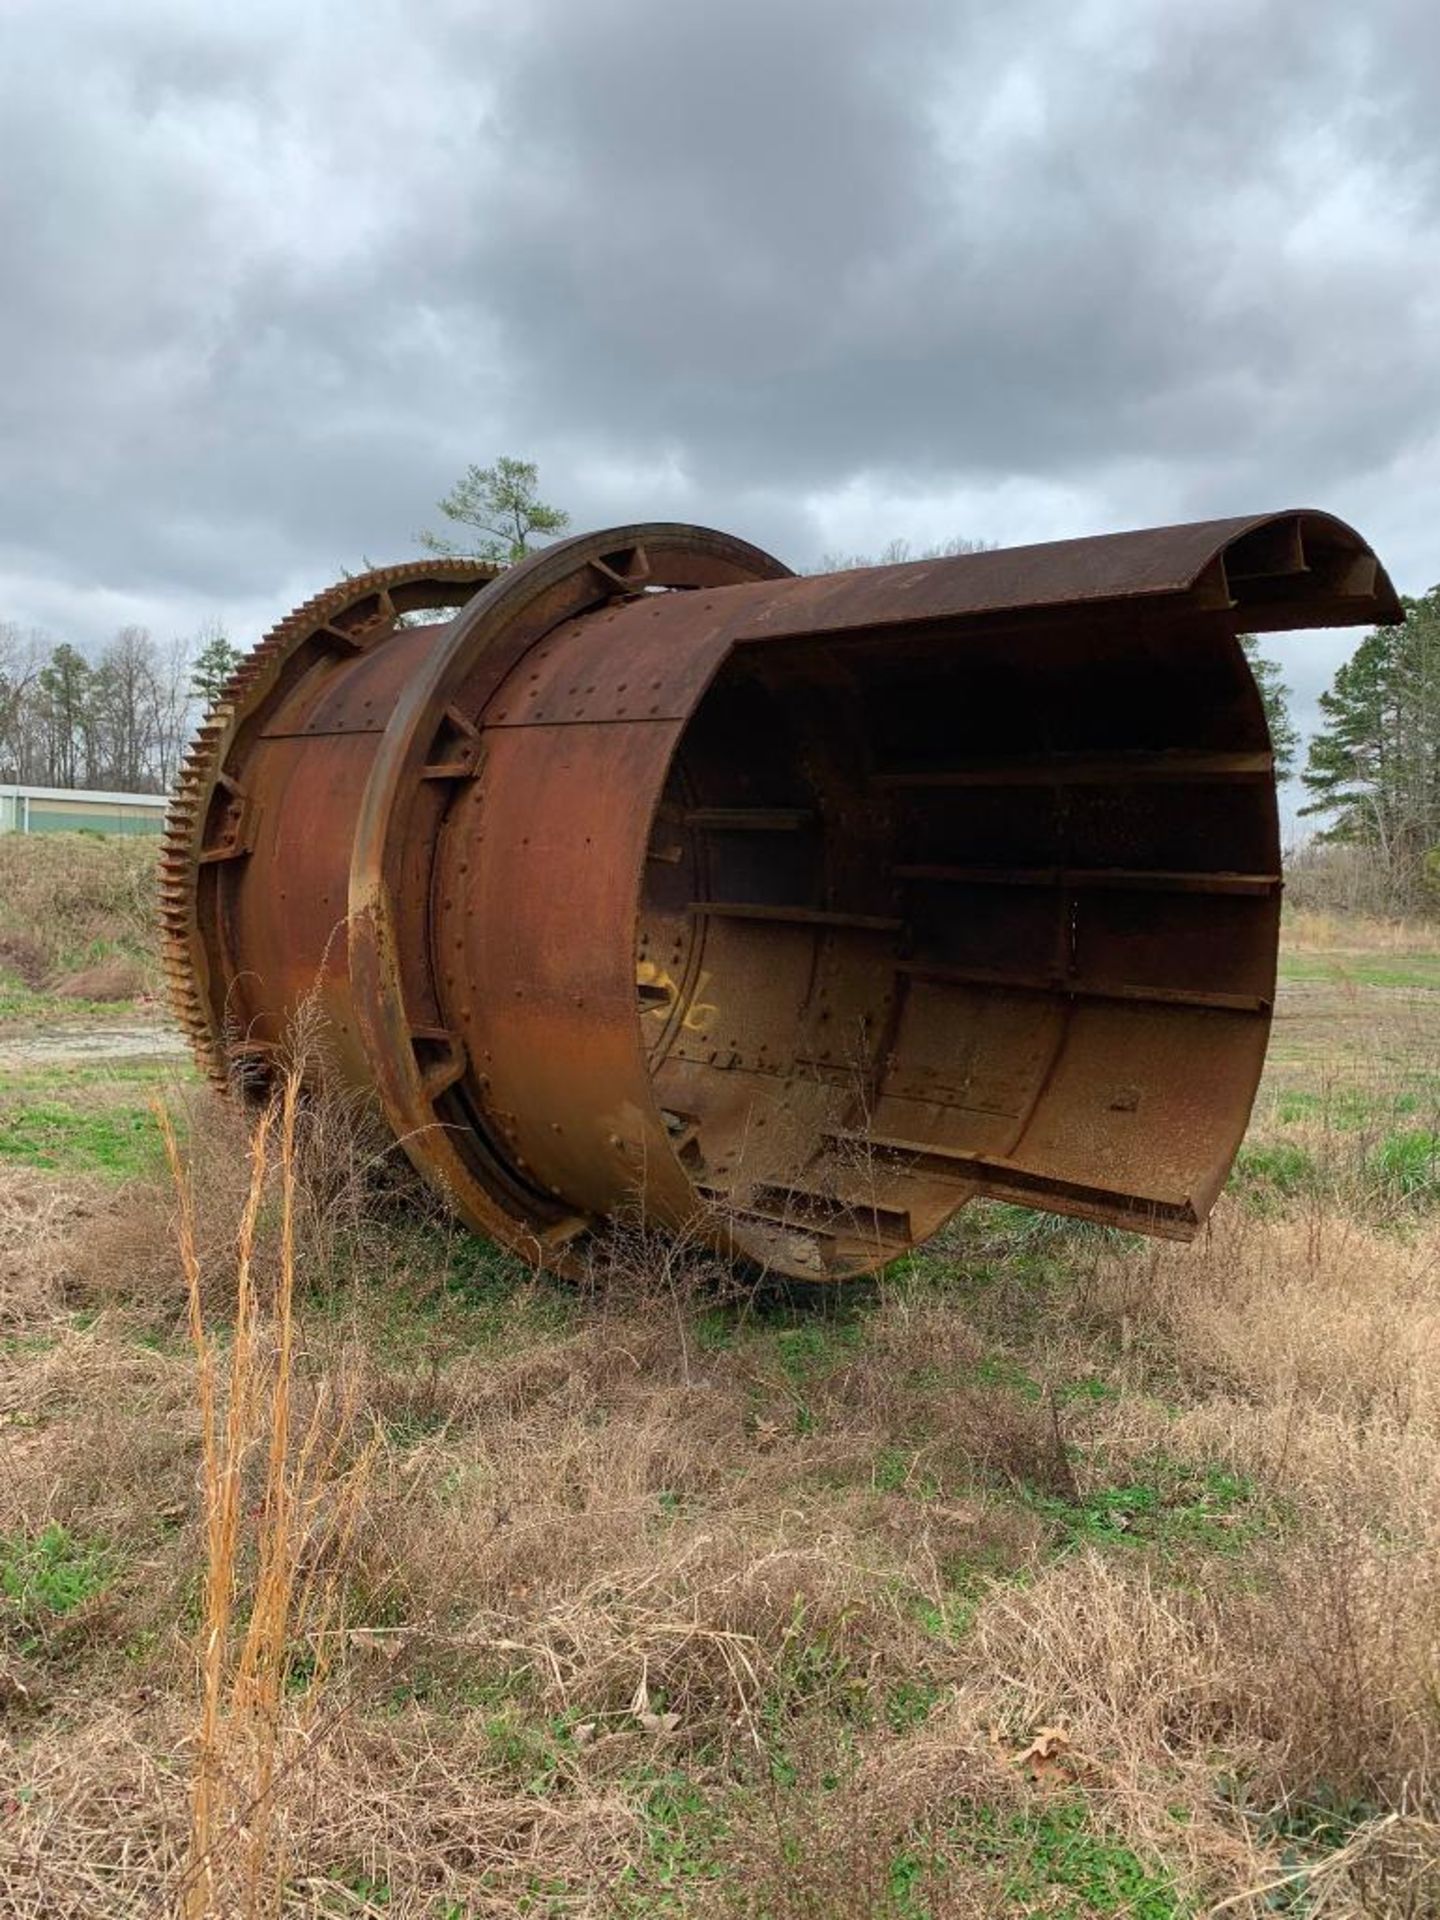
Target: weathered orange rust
{"x":790,"y":913}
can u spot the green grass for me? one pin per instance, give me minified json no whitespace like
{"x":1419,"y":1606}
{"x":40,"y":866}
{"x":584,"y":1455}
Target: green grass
{"x":810,"y":1347}
{"x":46,"y":1575}
{"x":683,"y":1825}
{"x":22,"y":1344}
{"x":68,"y":1078}
{"x":445,"y":1292}
{"x":894,"y":1471}
{"x":1000,"y":1370}
{"x":533,"y":1752}
{"x":357,"y":1882}
{"x":1408,"y":1163}
{"x":1355,"y":1109}
{"x":500,"y":1292}
{"x":1353,"y":1144}
{"x":120,"y":1142}
{"x":1054,"y":1860}
{"x":1363,"y":969}
{"x":19,"y":1002}
{"x":1269,"y":1170}
{"x":911,"y":1703}
{"x":1165,"y":1504}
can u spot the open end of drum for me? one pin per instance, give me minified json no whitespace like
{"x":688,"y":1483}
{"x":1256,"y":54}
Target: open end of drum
{"x":981,"y":910}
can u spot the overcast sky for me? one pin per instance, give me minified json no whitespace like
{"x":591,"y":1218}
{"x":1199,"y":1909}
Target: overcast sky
{"x":821,"y":272}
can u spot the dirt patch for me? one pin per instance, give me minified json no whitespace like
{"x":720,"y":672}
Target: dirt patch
{"x":24,"y":956}
{"x":111,"y":980}
{"x":68,"y":1044}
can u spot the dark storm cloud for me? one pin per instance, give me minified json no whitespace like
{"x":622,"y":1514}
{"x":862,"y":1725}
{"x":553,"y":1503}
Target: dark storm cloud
{"x":820,"y":271}
{"x":1006,"y":243}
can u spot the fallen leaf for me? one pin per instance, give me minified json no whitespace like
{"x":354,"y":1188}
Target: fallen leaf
{"x":1047,"y":1760}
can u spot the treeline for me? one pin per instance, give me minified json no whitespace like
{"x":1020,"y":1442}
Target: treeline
{"x":119,"y":720}
{"x":1373,"y":769}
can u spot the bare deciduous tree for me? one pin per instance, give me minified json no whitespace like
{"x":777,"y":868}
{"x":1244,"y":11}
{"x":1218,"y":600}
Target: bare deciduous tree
{"x":120,"y":721}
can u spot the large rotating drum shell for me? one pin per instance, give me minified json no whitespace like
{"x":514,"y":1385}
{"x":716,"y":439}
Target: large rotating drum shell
{"x":789,"y":913}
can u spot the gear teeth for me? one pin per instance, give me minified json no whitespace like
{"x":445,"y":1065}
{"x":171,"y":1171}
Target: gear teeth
{"x":243,"y":694}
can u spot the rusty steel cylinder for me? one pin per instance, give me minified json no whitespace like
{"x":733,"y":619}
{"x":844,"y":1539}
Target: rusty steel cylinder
{"x":645,"y":879}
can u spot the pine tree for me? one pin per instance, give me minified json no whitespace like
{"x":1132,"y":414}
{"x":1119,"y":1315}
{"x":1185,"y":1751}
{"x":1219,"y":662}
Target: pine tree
{"x":213,"y":667}
{"x":1284,"y":740}
{"x":500,"y":508}
{"x":63,"y":711}
{"x":1374,"y":767}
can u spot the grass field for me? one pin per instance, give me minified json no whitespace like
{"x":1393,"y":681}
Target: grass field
{"x":1057,"y":1573}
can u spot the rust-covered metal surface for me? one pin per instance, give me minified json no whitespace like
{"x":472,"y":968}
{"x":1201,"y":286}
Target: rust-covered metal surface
{"x":648,"y":879}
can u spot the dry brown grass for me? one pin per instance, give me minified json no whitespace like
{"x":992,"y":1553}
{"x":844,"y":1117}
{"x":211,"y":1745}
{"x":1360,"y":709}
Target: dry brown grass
{"x":280,"y":1492}
{"x":1302,"y":1354}
{"x":1317,"y":930}
{"x":109,"y":980}
{"x":77,"y":903}
{"x":1309,"y":1314}
{"x":648,"y":1602}
{"x":41,"y":1223}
